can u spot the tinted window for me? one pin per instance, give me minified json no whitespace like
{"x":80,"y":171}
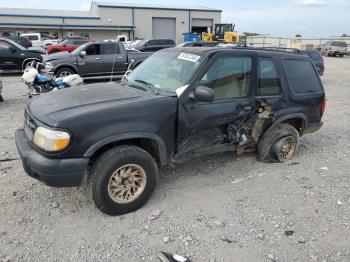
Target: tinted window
{"x":169,"y":42}
{"x":93,"y":50}
{"x":4,"y":47}
{"x":269,"y":83}
{"x":229,"y":77}
{"x":110,"y":49}
{"x":152,"y":42}
{"x":302,"y":76}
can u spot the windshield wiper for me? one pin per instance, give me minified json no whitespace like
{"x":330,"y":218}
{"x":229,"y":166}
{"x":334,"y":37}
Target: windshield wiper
{"x":148,"y":84}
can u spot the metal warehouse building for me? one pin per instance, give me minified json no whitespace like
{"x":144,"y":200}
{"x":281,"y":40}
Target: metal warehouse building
{"x":106,"y":20}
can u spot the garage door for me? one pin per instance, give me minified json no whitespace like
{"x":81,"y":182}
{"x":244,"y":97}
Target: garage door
{"x":196,"y":22}
{"x":164,"y":28}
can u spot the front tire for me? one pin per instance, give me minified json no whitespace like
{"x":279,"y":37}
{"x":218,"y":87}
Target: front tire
{"x":123,"y":179}
{"x":63,"y":72}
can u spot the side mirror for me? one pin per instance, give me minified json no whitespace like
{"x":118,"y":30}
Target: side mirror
{"x":83,"y":53}
{"x":203,"y":94}
{"x":12,"y":49}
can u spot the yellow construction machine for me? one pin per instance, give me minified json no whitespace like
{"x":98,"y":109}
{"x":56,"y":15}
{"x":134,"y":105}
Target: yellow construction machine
{"x":222,"y":32}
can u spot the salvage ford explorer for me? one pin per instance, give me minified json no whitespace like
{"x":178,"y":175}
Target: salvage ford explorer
{"x":178,"y":105}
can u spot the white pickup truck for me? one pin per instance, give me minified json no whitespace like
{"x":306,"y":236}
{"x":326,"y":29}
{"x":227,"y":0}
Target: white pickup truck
{"x":39,"y":40}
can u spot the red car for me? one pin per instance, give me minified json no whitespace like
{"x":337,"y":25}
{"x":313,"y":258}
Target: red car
{"x":67,"y":45}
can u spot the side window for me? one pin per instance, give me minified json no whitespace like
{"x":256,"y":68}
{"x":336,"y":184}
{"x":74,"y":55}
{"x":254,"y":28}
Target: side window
{"x":151,"y":43}
{"x":110,"y":49}
{"x":302,"y":76}
{"x":93,"y":50}
{"x":229,"y":77}
{"x":268,"y":79}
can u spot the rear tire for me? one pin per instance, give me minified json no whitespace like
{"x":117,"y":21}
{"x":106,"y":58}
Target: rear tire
{"x":123,"y":179}
{"x":278,"y":144}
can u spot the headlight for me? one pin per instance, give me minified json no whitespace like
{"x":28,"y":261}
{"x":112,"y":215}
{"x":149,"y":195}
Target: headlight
{"x":49,"y":66}
{"x":51,"y":140}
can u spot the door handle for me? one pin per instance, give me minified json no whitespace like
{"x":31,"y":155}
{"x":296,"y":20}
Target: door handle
{"x":120,"y":57}
{"x":247,"y":108}
{"x":98,"y":58}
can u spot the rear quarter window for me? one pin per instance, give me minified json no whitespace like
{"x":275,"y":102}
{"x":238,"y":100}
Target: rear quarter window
{"x":302,"y":77}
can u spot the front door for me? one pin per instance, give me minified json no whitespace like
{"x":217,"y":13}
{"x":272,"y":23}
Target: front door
{"x":92,"y":63}
{"x":204,"y":124}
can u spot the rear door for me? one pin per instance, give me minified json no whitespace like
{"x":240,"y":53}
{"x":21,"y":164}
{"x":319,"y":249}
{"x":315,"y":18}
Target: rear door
{"x":231,"y":76}
{"x":114,"y":61}
{"x":92,"y":63}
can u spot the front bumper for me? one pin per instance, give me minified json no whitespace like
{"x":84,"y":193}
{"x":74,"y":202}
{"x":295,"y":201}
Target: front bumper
{"x":68,"y":172}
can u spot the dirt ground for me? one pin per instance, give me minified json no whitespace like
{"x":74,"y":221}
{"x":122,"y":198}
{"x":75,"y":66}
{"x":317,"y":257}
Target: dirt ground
{"x":226,"y":208}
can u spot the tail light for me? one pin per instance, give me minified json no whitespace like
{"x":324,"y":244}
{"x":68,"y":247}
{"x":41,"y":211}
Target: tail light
{"x":323,"y":106}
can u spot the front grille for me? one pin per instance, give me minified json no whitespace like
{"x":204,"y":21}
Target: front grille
{"x":29,"y":125}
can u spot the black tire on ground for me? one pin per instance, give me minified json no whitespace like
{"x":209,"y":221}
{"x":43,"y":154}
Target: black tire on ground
{"x":63,"y":70}
{"x":109,"y":164}
{"x":273,"y":139}
{"x":341,"y":56}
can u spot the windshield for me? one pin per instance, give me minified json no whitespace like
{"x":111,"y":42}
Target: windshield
{"x":166,"y":71}
{"x":339,"y":44}
{"x":16,"y":45}
{"x":79,"y":49}
{"x":138,"y":43}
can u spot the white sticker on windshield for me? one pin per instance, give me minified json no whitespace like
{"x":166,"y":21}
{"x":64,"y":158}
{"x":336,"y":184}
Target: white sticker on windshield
{"x":189,"y":57}
{"x":180,"y":90}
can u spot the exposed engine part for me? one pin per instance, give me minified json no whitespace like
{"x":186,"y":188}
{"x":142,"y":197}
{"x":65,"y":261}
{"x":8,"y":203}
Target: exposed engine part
{"x":246,"y":133}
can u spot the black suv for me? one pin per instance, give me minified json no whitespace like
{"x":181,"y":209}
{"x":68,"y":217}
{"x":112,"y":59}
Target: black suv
{"x":152,"y":45}
{"x":14,"y":57}
{"x":180,"y":104}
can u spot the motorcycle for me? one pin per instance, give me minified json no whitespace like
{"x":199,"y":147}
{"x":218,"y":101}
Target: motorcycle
{"x":38,"y":82}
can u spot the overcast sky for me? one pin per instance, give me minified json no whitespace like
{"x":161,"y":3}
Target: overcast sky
{"x":276,"y":17}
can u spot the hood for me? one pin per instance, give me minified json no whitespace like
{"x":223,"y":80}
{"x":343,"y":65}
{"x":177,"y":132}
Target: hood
{"x":38,"y":50}
{"x":68,"y":104}
{"x":57,"y":56}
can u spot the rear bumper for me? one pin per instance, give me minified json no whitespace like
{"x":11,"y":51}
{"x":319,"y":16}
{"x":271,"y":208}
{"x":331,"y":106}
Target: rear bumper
{"x":67,"y":172}
{"x":311,"y":128}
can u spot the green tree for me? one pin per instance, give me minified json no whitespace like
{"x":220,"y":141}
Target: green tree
{"x":298,"y":35}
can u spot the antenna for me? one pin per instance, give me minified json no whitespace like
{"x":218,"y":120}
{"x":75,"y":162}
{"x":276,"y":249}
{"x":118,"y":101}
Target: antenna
{"x":115,"y":51}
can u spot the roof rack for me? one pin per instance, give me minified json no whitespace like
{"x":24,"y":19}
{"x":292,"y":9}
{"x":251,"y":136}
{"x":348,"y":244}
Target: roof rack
{"x":270,"y":48}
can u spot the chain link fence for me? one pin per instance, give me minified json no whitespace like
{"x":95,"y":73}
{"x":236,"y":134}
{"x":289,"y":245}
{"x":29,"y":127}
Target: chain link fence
{"x":292,"y":42}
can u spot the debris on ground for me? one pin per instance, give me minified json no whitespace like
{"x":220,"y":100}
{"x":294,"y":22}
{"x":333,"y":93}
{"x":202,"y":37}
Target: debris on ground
{"x":289,"y":233}
{"x":154,"y":214}
{"x":166,"y":257}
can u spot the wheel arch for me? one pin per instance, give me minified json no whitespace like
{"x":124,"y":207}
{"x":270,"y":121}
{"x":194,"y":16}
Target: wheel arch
{"x":66,"y":65}
{"x":29,"y":59}
{"x":298,"y":121}
{"x":152,"y":143}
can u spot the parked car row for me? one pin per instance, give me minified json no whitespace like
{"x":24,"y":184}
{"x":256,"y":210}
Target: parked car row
{"x":96,"y":60}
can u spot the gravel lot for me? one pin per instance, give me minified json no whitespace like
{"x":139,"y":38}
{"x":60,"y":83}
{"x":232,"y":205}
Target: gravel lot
{"x":226,"y":208}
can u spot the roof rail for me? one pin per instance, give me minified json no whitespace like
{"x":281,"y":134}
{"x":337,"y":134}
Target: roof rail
{"x":270,"y":48}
